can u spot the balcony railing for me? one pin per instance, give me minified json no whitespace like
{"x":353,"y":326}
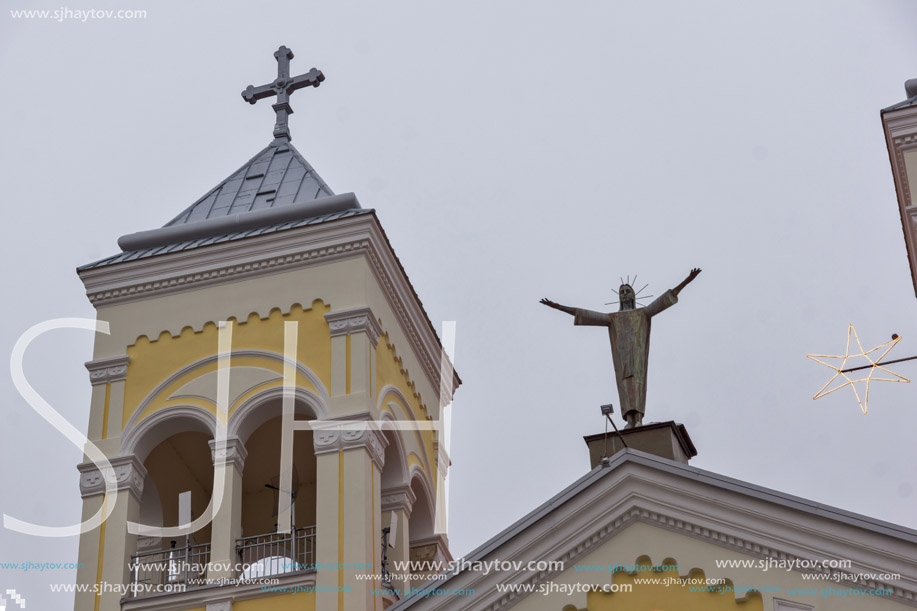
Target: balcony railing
{"x":175,"y":568}
{"x":182,"y":568}
{"x":276,"y":553}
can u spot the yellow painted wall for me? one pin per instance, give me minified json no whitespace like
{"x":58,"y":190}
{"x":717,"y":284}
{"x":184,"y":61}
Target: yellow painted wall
{"x":642,"y":543}
{"x":662,"y":597}
{"x":153,"y":361}
{"x":300,"y":601}
{"x":390,"y":371}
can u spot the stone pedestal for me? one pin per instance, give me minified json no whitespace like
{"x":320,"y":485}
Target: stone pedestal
{"x":666,"y":439}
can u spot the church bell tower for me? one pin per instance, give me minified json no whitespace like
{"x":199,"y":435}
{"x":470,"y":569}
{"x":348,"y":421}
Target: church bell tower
{"x":269,"y":399}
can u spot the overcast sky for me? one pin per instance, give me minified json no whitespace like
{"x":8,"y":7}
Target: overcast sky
{"x":513,"y":151}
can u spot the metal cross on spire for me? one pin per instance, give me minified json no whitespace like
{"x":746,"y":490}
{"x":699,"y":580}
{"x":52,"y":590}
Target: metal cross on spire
{"x":282,"y":87}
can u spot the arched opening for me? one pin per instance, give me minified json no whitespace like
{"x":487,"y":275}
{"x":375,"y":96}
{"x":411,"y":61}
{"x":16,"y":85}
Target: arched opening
{"x":395,"y":503}
{"x":262,"y":489}
{"x":267,"y":546}
{"x":423,"y":545}
{"x":179,"y":472}
{"x":394,"y":469}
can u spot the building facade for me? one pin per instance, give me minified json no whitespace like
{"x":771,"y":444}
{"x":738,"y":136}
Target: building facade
{"x":266,"y":433}
{"x":268,"y":396}
{"x":899,"y":122}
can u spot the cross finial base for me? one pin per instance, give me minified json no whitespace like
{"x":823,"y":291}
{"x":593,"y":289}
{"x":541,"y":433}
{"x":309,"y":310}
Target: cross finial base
{"x":282,"y":126}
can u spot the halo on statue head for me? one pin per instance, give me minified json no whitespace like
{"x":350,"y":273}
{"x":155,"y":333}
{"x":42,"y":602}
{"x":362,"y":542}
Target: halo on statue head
{"x":629,"y":283}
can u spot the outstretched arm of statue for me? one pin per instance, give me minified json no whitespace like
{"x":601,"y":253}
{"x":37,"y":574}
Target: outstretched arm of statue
{"x":684,"y":283}
{"x":557,"y":306}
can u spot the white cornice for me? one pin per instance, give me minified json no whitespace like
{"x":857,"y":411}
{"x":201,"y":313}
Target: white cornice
{"x":224,"y":262}
{"x":281,"y":251}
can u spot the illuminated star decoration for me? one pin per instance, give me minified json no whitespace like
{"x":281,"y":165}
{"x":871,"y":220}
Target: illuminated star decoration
{"x":840,"y":371}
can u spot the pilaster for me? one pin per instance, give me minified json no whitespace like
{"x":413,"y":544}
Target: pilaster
{"x":90,"y":555}
{"x":355,"y":334}
{"x":110,"y":546}
{"x":349,"y":459}
{"x":398,"y":501}
{"x":228,"y":464}
{"x":107,"y":377}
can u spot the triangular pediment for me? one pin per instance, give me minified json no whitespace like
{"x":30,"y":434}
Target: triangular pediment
{"x":714,"y":511}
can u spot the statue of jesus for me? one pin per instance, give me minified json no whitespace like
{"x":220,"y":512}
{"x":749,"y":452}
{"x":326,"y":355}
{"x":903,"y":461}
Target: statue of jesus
{"x":629,"y":330}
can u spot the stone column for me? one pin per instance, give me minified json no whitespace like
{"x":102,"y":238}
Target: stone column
{"x":228,"y":464}
{"x":106,"y":551}
{"x":349,"y":461}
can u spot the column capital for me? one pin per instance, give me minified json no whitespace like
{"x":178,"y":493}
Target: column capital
{"x":129,"y":475}
{"x":350,"y":435}
{"x":105,"y":371}
{"x":354,"y":320}
{"x":443,"y":462}
{"x":232,"y":451}
{"x":431,"y":549}
{"x":398,"y":497}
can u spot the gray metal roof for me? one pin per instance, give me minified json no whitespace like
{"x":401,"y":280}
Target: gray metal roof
{"x":277,"y":185}
{"x":276,"y":176}
{"x":910,"y":91}
{"x":908,"y":102}
{"x":206,"y":241}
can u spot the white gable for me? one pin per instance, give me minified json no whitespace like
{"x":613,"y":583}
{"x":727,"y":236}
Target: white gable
{"x":702,"y":511}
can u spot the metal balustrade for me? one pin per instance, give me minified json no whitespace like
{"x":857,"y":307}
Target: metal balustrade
{"x":276,"y":553}
{"x":171,"y":569}
{"x":181,"y":568}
